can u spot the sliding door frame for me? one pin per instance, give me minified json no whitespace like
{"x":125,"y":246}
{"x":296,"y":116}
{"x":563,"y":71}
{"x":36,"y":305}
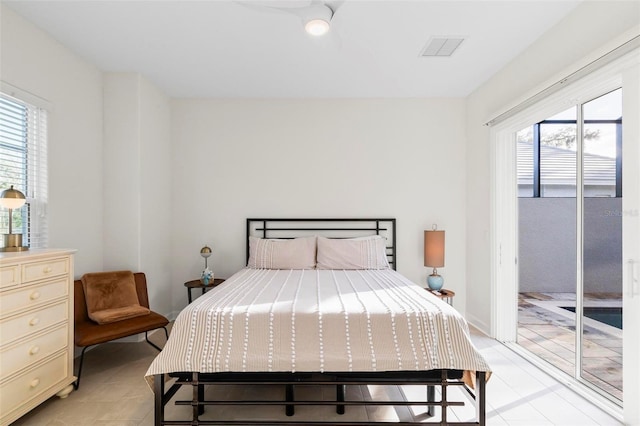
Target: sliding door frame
{"x":631,"y":243}
{"x":504,"y":215}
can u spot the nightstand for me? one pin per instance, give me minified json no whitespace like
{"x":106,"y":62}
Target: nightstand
{"x":198,"y":284}
{"x":444,"y":294}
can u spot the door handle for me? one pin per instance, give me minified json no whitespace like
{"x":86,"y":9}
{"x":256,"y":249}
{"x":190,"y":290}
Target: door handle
{"x":632,"y":287}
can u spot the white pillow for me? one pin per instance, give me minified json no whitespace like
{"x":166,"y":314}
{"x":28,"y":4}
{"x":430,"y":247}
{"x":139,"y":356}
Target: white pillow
{"x":353,"y":253}
{"x":298,"y":253}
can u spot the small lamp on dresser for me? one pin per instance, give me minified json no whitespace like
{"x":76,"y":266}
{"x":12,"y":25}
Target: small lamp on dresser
{"x":12,"y":199}
{"x":434,"y":256}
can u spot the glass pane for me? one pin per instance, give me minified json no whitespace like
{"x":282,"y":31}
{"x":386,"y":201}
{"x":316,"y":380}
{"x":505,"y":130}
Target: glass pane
{"x":601,"y":362}
{"x":602,"y":131}
{"x":547,"y":279}
{"x":558,"y":155}
{"x":547,"y":248}
{"x":524,"y":153}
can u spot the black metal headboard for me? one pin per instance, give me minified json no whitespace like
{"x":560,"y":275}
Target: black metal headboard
{"x":331,"y":228}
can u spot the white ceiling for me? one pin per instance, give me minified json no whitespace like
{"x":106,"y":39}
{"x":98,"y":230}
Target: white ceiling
{"x":230,"y":49}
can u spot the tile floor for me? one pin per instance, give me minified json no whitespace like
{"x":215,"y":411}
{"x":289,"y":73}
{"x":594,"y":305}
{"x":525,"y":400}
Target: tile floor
{"x":113,"y":392}
{"x":549,"y":332}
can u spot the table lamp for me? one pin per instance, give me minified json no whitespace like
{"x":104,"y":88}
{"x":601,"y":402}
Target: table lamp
{"x":207,"y":274}
{"x":434,"y":256}
{"x":12,"y":199}
{"x":205,"y":252}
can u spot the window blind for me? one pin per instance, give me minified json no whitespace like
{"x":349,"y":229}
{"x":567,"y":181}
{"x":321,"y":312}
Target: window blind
{"x":23,"y":164}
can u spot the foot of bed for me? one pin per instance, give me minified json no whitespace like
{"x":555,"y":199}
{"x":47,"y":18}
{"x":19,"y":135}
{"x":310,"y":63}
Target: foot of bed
{"x":200,"y":399}
{"x":340,"y":391}
{"x":198,"y":382}
{"x":289,"y":409}
{"x":158,"y":389}
{"x":431,"y":396}
{"x":481,"y":388}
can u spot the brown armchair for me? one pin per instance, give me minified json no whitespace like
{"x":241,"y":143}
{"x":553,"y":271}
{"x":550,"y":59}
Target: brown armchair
{"x":88,"y":333}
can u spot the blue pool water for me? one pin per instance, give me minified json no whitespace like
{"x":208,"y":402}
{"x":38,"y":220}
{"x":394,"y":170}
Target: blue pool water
{"x":611,"y":316}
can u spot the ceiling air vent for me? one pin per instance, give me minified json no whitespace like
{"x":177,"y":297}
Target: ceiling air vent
{"x":441,"y":46}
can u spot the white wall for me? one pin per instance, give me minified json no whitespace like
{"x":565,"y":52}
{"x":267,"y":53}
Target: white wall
{"x":230,"y":160}
{"x":137,"y":225}
{"x":33,"y":62}
{"x":121,"y":171}
{"x":234,"y":159}
{"x":97,"y":190}
{"x":156,"y":225}
{"x":591,"y":30}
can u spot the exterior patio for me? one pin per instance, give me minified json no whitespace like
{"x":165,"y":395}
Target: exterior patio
{"x":548,"y":331}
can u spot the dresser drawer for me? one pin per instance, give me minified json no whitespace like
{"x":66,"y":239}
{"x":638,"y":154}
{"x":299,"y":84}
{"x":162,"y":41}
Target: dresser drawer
{"x":9,"y":276}
{"x":44,"y":269}
{"x":27,"y":297}
{"x":21,"y":389}
{"x":26,"y":353}
{"x":28,"y":323}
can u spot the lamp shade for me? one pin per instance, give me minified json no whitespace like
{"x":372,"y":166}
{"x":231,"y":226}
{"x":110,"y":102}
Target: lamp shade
{"x":12,"y":198}
{"x":205,"y":251}
{"x":434,"y":249}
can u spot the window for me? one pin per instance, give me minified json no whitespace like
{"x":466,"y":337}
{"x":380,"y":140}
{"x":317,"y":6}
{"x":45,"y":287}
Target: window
{"x":547,"y":157}
{"x":23,"y":164}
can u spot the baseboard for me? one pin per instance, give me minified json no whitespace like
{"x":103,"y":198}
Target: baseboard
{"x":480,"y":325}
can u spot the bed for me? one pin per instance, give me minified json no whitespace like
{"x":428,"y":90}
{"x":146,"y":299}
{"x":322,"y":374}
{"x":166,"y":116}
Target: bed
{"x":320,"y":303}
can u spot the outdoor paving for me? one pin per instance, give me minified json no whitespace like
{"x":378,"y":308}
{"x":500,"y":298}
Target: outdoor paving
{"x":551,"y":336}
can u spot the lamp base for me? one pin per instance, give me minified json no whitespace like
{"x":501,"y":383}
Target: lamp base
{"x":12,"y":242}
{"x":207,"y":277}
{"x":435,"y":282}
{"x":13,"y":249}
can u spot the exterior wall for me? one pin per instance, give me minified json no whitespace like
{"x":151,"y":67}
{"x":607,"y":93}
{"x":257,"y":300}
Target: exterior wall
{"x":603,"y":266}
{"x":547,"y":245}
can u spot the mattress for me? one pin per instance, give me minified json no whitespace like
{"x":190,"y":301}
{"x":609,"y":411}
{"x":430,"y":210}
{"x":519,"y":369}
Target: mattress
{"x":318,"y":321}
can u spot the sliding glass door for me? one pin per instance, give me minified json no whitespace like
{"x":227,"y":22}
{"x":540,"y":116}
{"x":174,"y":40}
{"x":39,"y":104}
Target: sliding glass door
{"x":570,"y":241}
{"x":600,"y":286}
{"x":566,"y":209}
{"x":547,"y":249}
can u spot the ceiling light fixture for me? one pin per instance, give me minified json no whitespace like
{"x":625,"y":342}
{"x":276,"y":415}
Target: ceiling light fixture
{"x":318,"y":19}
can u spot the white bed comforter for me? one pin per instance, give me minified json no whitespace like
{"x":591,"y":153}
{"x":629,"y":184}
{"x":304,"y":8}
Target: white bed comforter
{"x":318,"y":320}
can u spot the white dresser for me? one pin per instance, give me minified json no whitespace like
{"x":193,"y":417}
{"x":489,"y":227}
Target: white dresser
{"x":36,"y":329}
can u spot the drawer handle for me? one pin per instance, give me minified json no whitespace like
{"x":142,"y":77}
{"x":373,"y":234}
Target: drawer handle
{"x":35,"y":295}
{"x":34,"y":321}
{"x":47,"y":269}
{"x":34,"y":350}
{"x":34,"y":383}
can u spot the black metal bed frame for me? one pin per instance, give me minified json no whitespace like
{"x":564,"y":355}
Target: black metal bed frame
{"x":291,"y":228}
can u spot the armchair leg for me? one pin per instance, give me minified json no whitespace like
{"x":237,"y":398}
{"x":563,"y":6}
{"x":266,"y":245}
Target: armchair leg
{"x":76,"y":384}
{"x":146,"y":337}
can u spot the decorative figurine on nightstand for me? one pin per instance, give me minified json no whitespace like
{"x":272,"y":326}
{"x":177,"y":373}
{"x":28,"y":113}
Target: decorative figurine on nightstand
{"x":434,"y":256}
{"x":207,"y":274}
